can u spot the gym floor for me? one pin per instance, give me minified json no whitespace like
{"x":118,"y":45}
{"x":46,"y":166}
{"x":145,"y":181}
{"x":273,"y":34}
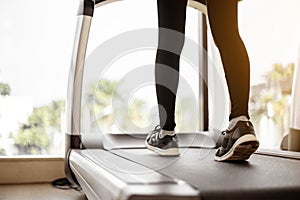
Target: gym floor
{"x":38,"y":192}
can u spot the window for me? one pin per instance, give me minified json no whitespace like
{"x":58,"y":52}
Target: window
{"x":111,"y":102}
{"x":35,"y":51}
{"x":271,"y":33}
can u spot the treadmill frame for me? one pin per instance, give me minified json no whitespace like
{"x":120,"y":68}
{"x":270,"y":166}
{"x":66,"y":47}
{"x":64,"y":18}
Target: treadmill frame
{"x":74,"y":144}
{"x":85,"y":15}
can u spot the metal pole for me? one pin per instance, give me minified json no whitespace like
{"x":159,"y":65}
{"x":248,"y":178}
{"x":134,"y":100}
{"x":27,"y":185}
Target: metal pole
{"x":203,"y":81}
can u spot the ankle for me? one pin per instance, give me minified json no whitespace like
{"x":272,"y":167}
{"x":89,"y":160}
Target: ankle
{"x":163,"y":133}
{"x":235,"y":120}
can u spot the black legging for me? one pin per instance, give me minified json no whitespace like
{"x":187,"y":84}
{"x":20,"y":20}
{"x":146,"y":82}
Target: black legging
{"x":222,"y":15}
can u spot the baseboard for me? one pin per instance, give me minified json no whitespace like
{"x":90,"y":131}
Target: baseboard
{"x":30,"y":170}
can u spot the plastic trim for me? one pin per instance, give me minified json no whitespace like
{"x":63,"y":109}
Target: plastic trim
{"x":86,"y":7}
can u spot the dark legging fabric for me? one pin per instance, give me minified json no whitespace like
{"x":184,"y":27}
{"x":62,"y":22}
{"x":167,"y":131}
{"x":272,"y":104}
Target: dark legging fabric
{"x":222,"y":16}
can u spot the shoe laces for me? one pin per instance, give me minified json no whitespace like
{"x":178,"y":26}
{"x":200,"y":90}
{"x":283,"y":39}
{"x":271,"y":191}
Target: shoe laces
{"x":154,"y":132}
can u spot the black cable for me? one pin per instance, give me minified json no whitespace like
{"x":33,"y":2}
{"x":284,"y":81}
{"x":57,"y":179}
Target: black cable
{"x":64,"y":184}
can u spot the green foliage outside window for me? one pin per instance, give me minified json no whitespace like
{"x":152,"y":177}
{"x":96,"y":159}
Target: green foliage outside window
{"x":4,"y":89}
{"x":271,"y":99}
{"x":99,"y":103}
{"x":33,"y":137}
{"x":2,"y":152}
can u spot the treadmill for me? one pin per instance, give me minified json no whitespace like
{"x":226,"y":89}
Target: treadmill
{"x":119,"y":167}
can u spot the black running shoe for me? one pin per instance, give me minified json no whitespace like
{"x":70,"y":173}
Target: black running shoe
{"x":165,"y":146}
{"x":239,"y":143}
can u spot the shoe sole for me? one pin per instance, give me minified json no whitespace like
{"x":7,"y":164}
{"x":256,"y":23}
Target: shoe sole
{"x":242,"y":149}
{"x":163,"y":152}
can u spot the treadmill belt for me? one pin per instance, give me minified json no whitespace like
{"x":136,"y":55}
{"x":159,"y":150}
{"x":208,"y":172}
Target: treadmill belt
{"x":262,"y":177}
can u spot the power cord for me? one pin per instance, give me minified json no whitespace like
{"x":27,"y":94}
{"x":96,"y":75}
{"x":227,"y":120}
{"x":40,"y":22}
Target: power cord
{"x":64,"y":184}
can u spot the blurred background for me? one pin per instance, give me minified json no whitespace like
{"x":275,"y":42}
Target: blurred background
{"x":36,"y":41}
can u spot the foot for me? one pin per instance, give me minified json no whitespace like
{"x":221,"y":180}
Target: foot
{"x":164,"y":145}
{"x":239,"y":142}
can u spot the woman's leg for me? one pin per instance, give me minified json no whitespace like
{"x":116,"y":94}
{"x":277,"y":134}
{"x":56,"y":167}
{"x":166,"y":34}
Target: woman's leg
{"x":239,"y":142}
{"x":171,"y":16}
{"x":223,"y":21}
{"x":171,"y":21}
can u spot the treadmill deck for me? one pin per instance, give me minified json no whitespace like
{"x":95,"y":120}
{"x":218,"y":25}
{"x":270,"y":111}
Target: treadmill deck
{"x":262,"y":177}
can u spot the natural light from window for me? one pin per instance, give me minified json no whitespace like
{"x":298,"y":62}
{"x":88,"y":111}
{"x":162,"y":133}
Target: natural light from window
{"x":36,"y":42}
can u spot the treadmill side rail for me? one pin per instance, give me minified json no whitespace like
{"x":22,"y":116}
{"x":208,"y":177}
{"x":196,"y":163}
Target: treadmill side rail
{"x":161,"y":192}
{"x":101,"y":178}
